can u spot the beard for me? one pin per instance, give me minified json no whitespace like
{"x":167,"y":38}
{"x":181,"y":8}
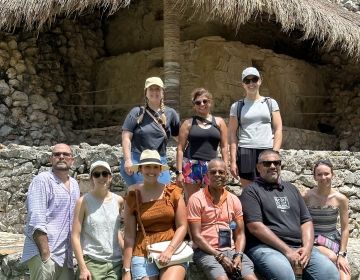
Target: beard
{"x":61,"y":166}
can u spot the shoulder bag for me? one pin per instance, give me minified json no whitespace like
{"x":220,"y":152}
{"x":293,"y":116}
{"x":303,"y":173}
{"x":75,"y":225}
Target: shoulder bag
{"x":182,"y":254}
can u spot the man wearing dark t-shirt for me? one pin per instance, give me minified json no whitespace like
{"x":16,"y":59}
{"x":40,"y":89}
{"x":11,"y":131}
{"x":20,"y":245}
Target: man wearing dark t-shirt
{"x":279,"y":229}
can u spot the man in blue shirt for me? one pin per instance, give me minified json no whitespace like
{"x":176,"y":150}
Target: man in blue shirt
{"x":50,"y":205}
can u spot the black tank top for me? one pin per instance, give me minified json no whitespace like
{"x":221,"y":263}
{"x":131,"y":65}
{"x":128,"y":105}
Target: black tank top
{"x":203,"y":142}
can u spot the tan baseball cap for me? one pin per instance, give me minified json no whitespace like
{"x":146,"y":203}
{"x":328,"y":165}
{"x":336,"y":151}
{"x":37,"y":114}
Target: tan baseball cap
{"x":154,"y":81}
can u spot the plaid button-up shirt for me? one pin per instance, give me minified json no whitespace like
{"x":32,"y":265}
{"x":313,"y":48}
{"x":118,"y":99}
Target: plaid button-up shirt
{"x":50,"y":206}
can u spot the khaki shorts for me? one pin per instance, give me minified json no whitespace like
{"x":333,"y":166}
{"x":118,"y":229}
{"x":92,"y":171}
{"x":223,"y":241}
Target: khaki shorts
{"x":48,"y":270}
{"x":102,"y":270}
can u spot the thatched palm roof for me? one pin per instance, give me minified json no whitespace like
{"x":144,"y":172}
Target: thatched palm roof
{"x":327,"y":22}
{"x":36,"y":13}
{"x":322,"y":20}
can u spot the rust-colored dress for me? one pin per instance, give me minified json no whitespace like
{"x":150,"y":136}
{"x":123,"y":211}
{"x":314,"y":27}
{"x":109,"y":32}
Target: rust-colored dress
{"x":158,"y":217}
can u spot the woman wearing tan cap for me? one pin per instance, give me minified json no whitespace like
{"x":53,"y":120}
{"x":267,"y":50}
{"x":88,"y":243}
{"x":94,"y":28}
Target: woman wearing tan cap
{"x":154,"y":213}
{"x":148,"y":127}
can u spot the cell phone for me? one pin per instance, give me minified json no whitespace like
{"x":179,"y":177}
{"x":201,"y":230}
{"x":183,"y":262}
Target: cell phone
{"x":224,"y":238}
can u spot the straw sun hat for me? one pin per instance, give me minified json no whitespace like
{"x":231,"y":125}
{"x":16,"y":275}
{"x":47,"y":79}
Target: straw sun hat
{"x":149,"y":157}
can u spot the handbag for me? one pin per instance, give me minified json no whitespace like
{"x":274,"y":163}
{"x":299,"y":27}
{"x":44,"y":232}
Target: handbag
{"x":182,"y":254}
{"x":328,"y":243}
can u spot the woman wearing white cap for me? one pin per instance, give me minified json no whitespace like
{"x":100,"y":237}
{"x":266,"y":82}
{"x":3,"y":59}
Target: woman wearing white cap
{"x":161,"y":209}
{"x":148,"y":127}
{"x":255,"y":125}
{"x":96,"y":237}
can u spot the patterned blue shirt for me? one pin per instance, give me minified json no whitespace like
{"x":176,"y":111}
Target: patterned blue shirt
{"x":50,"y":209}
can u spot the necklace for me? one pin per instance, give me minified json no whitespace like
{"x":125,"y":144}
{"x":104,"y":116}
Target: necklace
{"x":204,"y":121}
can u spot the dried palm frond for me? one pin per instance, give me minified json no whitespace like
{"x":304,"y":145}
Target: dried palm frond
{"x":36,"y":13}
{"x":322,"y":20}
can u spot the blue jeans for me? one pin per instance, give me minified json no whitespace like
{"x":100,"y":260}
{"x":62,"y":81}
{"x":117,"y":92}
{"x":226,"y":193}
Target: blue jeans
{"x":272,"y":264}
{"x":164,"y":177}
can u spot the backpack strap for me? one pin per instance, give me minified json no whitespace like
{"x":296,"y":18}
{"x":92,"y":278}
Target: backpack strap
{"x":240,"y":105}
{"x":269,"y":104}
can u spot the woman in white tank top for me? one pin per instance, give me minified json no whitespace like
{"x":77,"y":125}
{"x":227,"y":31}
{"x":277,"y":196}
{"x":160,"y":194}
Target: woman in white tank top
{"x":96,"y":238}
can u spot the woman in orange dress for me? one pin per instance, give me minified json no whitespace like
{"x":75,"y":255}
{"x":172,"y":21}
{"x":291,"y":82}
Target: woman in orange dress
{"x":162,"y":211}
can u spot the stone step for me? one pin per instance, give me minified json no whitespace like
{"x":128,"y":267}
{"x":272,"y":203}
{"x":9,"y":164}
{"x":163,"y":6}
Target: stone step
{"x":11,"y":268}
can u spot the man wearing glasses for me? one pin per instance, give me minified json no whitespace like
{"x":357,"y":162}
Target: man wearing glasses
{"x":50,"y":206}
{"x":210,"y":212}
{"x":279,"y":228}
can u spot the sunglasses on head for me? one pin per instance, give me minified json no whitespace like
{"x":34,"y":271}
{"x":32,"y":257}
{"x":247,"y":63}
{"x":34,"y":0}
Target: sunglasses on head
{"x":248,"y":81}
{"x":214,"y":172}
{"x":199,"y":102}
{"x":104,"y":174}
{"x":268,"y":163}
{"x":59,"y":154}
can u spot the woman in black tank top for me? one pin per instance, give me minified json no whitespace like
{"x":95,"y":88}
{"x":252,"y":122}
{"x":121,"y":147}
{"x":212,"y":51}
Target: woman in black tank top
{"x":199,"y":139}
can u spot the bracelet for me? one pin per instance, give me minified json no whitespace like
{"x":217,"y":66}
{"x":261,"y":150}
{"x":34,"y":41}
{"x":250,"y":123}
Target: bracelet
{"x":46,"y":260}
{"x":219,"y":257}
{"x":171,"y":246}
{"x":238,"y":254}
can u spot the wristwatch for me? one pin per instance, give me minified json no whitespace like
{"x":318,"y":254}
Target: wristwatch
{"x":238,"y":254}
{"x":177,"y":172}
{"x":343,"y":254}
{"x":126,"y":270}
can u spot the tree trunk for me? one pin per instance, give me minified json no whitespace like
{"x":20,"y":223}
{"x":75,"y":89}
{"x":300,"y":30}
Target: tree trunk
{"x":171,"y":54}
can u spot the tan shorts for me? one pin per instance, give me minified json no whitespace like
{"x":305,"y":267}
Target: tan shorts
{"x":48,"y":270}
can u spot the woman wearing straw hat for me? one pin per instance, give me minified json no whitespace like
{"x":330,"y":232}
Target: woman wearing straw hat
{"x":162,"y":213}
{"x":251,"y":122}
{"x":148,"y":127}
{"x":97,"y":225}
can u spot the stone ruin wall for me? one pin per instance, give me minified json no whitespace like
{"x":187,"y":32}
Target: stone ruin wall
{"x":216,"y":64}
{"x":20,"y":163}
{"x":40,"y":72}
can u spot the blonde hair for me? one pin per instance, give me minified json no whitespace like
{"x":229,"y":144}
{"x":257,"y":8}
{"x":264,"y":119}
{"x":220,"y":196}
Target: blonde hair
{"x":161,"y":118}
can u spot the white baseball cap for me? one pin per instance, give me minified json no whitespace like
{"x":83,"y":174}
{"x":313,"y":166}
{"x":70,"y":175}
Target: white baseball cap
{"x":98,"y":164}
{"x":250,"y":71}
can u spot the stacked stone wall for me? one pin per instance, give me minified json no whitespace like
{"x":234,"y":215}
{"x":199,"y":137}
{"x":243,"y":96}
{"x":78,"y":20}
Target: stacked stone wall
{"x":41,"y":72}
{"x":20,"y":163}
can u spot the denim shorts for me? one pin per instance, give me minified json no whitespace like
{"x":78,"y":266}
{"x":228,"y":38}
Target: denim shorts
{"x":142,"y":267}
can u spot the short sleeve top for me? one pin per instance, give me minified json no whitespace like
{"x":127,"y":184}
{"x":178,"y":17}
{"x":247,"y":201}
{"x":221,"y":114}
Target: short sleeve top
{"x":158,"y":217}
{"x":213,"y":217}
{"x":147,"y":134}
{"x":256,"y":130}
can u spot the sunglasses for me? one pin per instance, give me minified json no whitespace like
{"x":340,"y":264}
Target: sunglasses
{"x":268,"y":163}
{"x":59,"y":154}
{"x":214,"y":172}
{"x":199,"y":102}
{"x":104,"y":174}
{"x":248,"y":81}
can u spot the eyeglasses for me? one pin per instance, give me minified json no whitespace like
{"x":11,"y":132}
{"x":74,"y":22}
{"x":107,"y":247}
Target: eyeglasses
{"x":59,"y":154}
{"x":199,"y":102}
{"x":248,"y":81}
{"x":214,"y":172}
{"x":104,"y":174}
{"x":268,"y":163}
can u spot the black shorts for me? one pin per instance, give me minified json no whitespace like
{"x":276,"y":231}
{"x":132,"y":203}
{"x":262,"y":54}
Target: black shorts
{"x":246,"y":162}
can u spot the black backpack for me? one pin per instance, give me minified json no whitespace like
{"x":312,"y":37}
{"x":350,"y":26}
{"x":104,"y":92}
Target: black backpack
{"x":240,"y":105}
